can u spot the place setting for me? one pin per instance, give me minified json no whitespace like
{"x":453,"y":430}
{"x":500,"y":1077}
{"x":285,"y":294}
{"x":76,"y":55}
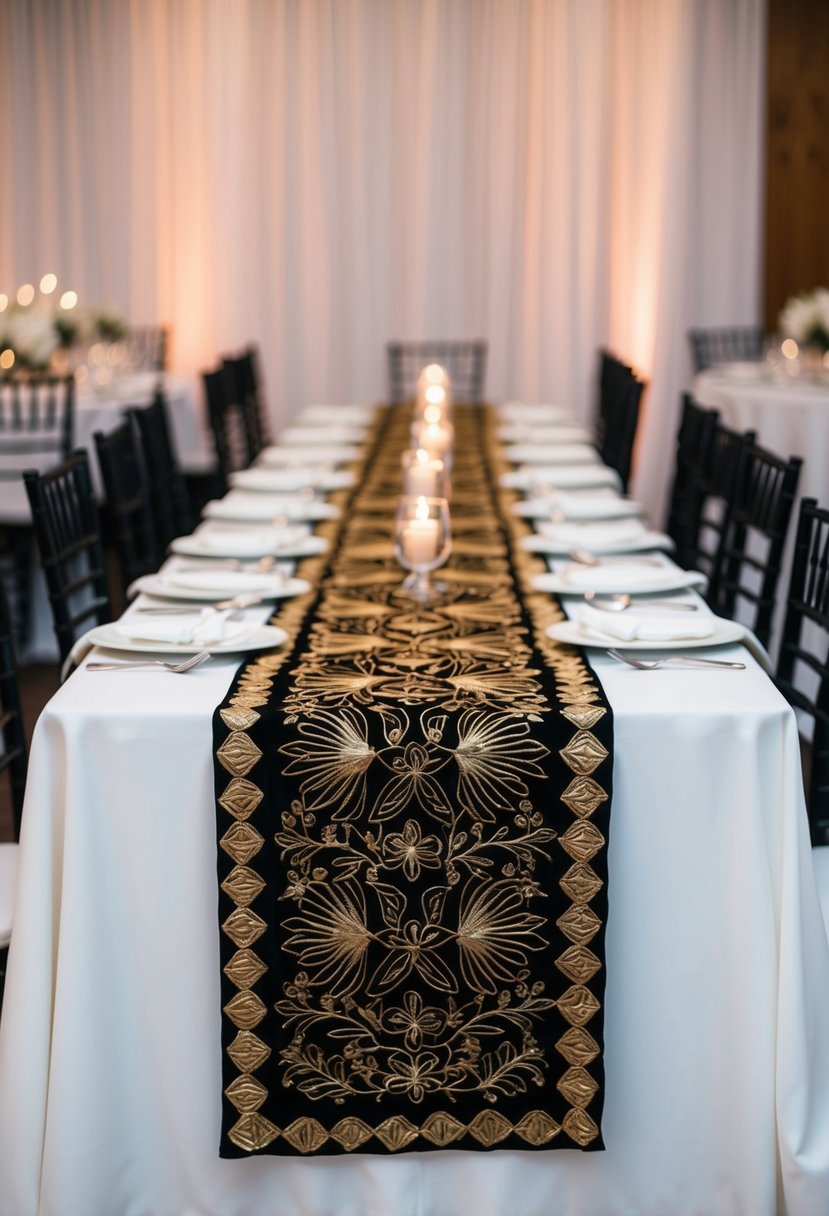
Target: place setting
{"x":250,"y":544}
{"x":289,"y":479}
{"x":248,"y":507}
{"x":217,"y":631}
{"x":561,"y":477}
{"x":325,"y":452}
{"x":577,"y":506}
{"x":622,"y":536}
{"x":218,"y":584}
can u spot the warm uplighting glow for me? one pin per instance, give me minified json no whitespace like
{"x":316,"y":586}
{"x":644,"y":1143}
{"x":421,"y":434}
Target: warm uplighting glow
{"x":4,"y":302}
{"x":25,"y":294}
{"x":7,"y":359}
{"x":789,"y":348}
{"x":48,"y":284}
{"x":69,"y":299}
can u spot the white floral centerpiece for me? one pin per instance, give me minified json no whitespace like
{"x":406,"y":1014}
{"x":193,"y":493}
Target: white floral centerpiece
{"x":36,"y":325}
{"x":806,"y":319}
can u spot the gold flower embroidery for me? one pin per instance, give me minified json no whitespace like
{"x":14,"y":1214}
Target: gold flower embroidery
{"x":495,"y":754}
{"x":414,"y":1076}
{"x":334,"y":752}
{"x":411,"y":850}
{"x":495,"y":933}
{"x":415,"y":1019}
{"x":330,"y":936}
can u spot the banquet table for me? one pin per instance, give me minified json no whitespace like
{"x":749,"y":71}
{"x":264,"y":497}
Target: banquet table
{"x":102,"y":411}
{"x":790,"y":415}
{"x":717,"y":985}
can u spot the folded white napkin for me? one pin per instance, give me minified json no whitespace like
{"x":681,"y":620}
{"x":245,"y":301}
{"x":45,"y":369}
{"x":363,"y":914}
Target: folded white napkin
{"x":551,"y":453}
{"x":628,"y":577}
{"x":225,"y":582}
{"x":527,"y":432}
{"x":639,"y":627}
{"x":247,"y":506}
{"x":316,"y":454}
{"x":322,"y":434}
{"x":560,"y":476}
{"x":578,"y":506}
{"x":209,"y":628}
{"x":289,"y":478}
{"x":243,"y":542}
{"x":593,"y":536}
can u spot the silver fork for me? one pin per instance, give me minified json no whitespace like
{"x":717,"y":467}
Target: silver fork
{"x":683,"y":660}
{"x":190,"y":664}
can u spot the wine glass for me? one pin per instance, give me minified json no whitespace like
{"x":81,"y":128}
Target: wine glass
{"x":423,"y":541}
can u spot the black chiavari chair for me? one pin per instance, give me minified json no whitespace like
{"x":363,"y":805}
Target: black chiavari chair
{"x":465,"y":361}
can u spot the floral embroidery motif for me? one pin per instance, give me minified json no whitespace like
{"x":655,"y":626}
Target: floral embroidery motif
{"x":433,"y":926}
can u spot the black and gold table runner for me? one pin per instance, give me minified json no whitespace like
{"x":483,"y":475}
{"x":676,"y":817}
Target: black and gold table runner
{"x":413,"y":812}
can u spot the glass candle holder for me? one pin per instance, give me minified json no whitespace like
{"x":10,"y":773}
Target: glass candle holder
{"x":437,"y":438}
{"x":424,"y":475}
{"x":423,"y":542}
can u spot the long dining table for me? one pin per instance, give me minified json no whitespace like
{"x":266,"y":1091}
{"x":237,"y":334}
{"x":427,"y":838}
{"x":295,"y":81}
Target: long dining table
{"x":716,"y":992}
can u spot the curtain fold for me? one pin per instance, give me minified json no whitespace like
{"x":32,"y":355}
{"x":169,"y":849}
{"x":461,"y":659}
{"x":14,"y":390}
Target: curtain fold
{"x":321,"y":176}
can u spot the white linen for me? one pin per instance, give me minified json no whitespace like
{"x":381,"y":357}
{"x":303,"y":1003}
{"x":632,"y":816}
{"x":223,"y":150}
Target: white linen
{"x":230,"y":582}
{"x":251,"y":507}
{"x":287,"y":479}
{"x":616,"y":576}
{"x":322,"y":456}
{"x":309,"y":436}
{"x":642,"y":626}
{"x":524,"y":432}
{"x":717,"y":983}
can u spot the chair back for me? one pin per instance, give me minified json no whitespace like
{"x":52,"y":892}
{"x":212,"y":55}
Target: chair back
{"x":620,"y":396}
{"x":169,"y":498}
{"x":727,"y":344}
{"x":749,"y":559}
{"x":14,"y":757}
{"x":128,"y":500}
{"x":716,"y":488}
{"x":465,"y":361}
{"x":247,"y":392}
{"x":37,"y":417}
{"x":802,"y":666}
{"x":227,"y":423}
{"x":693,"y":449}
{"x":67,"y":530}
{"x":147,"y":347}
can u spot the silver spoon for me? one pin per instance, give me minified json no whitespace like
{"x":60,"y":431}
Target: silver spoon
{"x":618,"y":603}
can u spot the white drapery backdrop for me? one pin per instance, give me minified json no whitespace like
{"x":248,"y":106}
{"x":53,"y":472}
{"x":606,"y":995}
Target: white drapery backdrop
{"x":321,"y":176}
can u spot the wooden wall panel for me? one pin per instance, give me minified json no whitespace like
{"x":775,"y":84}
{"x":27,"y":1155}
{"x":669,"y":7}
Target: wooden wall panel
{"x":797,"y":152}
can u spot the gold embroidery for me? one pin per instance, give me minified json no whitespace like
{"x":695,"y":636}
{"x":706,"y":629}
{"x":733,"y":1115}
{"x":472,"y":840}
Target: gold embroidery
{"x":245,"y":1009}
{"x":253,"y":1132}
{"x":370,"y":655}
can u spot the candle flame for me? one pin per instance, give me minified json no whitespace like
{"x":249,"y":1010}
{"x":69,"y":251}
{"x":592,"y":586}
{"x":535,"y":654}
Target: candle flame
{"x":422,"y":508}
{"x":421,"y":456}
{"x":435,"y":394}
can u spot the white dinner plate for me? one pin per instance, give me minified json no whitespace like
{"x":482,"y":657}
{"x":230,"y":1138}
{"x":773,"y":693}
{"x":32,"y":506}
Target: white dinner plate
{"x":261,"y":637}
{"x":311,"y":436}
{"x":194,"y":546}
{"x":558,"y":548}
{"x":561,"y":477}
{"x":348,"y":414}
{"x":335,"y":453}
{"x":554,"y":432}
{"x":209,"y":585}
{"x":550,"y":453}
{"x":578,"y":508}
{"x":243,"y":506}
{"x":619,"y":579}
{"x":725,"y":634}
{"x":274,"y":481}
{"x":520,"y":411}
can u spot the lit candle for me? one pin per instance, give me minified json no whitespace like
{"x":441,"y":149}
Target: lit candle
{"x":433,"y":373}
{"x":420,"y":537}
{"x":422,"y":474}
{"x":436,"y":438}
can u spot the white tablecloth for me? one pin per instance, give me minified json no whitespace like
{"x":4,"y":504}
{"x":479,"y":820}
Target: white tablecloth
{"x":791,"y":418}
{"x":717,"y":1002}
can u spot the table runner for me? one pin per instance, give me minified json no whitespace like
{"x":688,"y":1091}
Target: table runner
{"x":413,"y":812}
